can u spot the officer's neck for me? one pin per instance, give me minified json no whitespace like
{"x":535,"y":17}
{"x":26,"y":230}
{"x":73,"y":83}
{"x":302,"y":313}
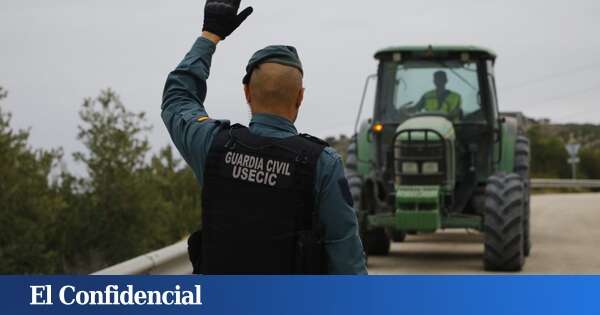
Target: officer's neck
{"x":288,"y":114}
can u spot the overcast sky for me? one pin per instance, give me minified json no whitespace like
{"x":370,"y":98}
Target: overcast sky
{"x":55,"y":53}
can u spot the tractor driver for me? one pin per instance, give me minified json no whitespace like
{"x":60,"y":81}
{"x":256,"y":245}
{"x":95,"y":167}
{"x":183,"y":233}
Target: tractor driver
{"x":269,"y":195}
{"x":441,"y":99}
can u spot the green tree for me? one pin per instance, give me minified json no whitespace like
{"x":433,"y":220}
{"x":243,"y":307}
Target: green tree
{"x":181,"y":196}
{"x":30,"y":241}
{"x":126,"y":206}
{"x":119,"y":215}
{"x":590,"y":162}
{"x":548,"y":155}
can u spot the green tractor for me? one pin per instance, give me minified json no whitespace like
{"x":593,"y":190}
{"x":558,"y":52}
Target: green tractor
{"x":437,"y":155}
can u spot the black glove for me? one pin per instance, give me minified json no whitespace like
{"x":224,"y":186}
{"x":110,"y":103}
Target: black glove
{"x":221,"y":16}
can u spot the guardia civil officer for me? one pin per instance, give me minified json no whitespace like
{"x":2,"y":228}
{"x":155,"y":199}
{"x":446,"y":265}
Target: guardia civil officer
{"x":274,"y":201}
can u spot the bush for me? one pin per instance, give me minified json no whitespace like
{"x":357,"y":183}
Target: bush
{"x":127,"y":205}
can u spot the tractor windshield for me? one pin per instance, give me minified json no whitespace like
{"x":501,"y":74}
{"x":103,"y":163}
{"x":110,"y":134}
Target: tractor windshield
{"x":431,"y":87}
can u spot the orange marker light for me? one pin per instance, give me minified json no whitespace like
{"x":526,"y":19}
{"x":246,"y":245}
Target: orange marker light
{"x":377,"y":127}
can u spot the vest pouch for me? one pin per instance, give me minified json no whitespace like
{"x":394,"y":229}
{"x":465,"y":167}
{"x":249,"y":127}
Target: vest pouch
{"x":250,"y":255}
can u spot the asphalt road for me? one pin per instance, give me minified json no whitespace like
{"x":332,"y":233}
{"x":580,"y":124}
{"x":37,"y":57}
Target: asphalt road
{"x":565,"y":235}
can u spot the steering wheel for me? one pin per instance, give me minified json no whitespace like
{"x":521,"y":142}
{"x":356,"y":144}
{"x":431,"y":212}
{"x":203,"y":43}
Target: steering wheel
{"x":431,"y":114}
{"x":471,"y":123}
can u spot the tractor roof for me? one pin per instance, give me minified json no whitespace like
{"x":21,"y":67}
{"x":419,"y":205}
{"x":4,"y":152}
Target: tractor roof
{"x":440,"y":51}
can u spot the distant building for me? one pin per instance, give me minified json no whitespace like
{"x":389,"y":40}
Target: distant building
{"x":525,"y":121}
{"x":544,"y":121}
{"x":522,"y":120}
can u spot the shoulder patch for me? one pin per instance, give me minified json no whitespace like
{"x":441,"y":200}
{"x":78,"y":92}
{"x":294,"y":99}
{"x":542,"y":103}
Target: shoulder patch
{"x":345,"y":190}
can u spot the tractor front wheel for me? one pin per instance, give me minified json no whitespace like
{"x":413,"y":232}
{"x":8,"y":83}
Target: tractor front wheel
{"x":503,"y":223}
{"x":376,"y":242}
{"x":398,"y":236}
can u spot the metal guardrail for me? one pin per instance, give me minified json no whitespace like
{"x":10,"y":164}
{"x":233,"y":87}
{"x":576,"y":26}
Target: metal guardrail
{"x":564,"y":183}
{"x":173,"y":260}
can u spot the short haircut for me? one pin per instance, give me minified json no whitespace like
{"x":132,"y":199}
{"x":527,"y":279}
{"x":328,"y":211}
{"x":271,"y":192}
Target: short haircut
{"x":275,"y":84}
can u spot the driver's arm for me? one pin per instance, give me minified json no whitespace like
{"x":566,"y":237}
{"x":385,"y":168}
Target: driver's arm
{"x":457,"y":113}
{"x":420,"y":105}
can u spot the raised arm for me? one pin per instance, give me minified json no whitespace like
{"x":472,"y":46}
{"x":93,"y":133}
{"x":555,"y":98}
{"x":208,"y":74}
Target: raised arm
{"x":183,"y":110}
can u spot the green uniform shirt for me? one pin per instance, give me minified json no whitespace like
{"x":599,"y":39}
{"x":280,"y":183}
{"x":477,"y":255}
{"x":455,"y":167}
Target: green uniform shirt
{"x":192,"y":131}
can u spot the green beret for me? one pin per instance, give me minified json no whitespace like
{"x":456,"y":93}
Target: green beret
{"x":285,"y":55}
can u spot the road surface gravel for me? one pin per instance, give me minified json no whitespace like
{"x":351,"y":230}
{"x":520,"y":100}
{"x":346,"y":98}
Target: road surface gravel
{"x":565,"y":234}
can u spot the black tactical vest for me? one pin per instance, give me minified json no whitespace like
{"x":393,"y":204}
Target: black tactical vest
{"x":258,"y":205}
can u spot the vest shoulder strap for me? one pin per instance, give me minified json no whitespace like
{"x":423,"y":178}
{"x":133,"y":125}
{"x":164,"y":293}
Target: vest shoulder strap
{"x":314,"y":139}
{"x":241,"y":132}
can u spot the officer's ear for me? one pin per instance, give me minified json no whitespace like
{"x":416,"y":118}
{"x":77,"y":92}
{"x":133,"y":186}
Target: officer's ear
{"x":300,"y":98}
{"x":247,"y":93}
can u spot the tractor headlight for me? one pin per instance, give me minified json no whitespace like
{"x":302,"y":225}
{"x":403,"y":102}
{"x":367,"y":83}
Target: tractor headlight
{"x":410,"y":168}
{"x":431,"y":168}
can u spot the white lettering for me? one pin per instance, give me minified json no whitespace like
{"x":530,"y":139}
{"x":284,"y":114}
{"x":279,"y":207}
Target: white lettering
{"x":177,"y":295}
{"x":198,"y":295}
{"x":260,"y":177}
{"x":82,"y":298}
{"x":165,"y":299}
{"x":272,"y":180}
{"x":139,"y":298}
{"x":236,"y":172}
{"x":255,"y":169}
{"x":111,"y":295}
{"x":38,"y":291}
{"x":97,"y":297}
{"x":278,"y":167}
{"x":153,"y":297}
{"x":62,"y":292}
{"x":126,"y":297}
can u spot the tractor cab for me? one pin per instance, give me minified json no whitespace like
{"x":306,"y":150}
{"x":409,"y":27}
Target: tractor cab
{"x":435,"y":87}
{"x":437,"y":154}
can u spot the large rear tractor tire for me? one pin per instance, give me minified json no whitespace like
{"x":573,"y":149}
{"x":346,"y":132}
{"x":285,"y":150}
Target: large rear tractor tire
{"x":355,"y":181}
{"x":375,"y":242}
{"x":522,"y":167}
{"x":503,"y":223}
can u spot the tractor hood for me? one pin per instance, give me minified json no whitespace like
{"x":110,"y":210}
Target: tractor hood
{"x":440,"y":125}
